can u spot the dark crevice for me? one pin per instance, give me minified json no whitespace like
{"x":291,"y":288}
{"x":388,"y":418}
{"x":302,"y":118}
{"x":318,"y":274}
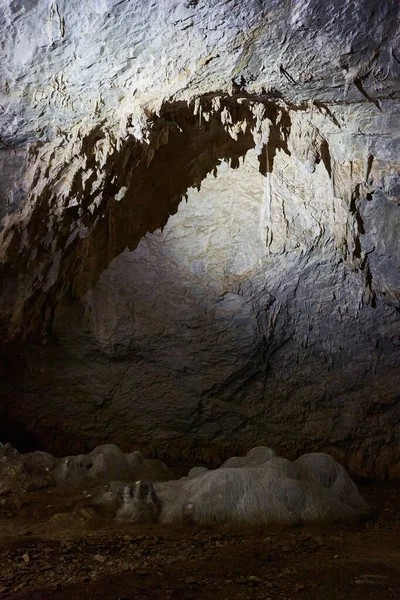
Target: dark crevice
{"x":361,"y":89}
{"x":326,"y":157}
{"x":15,"y":433}
{"x":369,"y":166}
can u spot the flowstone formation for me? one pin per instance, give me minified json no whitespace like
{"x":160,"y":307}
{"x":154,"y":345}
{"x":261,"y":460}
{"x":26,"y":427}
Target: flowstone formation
{"x":36,"y":470}
{"x":261,"y":488}
{"x":200,"y":215}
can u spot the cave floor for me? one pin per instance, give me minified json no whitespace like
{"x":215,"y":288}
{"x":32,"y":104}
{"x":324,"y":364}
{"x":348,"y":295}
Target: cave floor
{"x":51,"y":548}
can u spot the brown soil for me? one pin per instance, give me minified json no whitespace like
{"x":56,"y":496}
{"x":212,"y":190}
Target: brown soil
{"x":53,"y":549}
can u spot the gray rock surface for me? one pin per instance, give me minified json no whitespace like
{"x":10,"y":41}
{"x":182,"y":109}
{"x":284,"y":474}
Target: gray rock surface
{"x":264,"y":309}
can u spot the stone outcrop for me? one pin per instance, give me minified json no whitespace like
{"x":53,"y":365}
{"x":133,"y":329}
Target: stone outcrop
{"x":200,"y":209}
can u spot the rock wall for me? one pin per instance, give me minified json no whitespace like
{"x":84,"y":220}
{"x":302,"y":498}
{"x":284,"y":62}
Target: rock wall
{"x":199,"y":248}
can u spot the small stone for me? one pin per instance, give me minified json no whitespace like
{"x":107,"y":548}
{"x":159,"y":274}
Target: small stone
{"x":99,"y":558}
{"x":26,"y":558}
{"x":20,"y":586}
{"x":254,"y":579}
{"x":190,"y":580}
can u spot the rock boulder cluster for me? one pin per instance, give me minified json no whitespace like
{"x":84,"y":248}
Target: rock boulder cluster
{"x":37,"y":470}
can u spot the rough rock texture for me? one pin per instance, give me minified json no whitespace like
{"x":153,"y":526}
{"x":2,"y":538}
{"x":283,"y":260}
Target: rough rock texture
{"x":268,"y":489}
{"x":106,"y":463}
{"x":265,"y":307}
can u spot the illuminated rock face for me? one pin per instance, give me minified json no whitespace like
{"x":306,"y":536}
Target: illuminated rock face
{"x":199,"y":248}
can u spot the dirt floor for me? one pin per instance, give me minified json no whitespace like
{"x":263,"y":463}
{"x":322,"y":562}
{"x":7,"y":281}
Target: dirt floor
{"x":52,"y":548}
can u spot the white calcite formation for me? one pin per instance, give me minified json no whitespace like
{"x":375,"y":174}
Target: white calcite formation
{"x":200,"y":215}
{"x":263,"y":489}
